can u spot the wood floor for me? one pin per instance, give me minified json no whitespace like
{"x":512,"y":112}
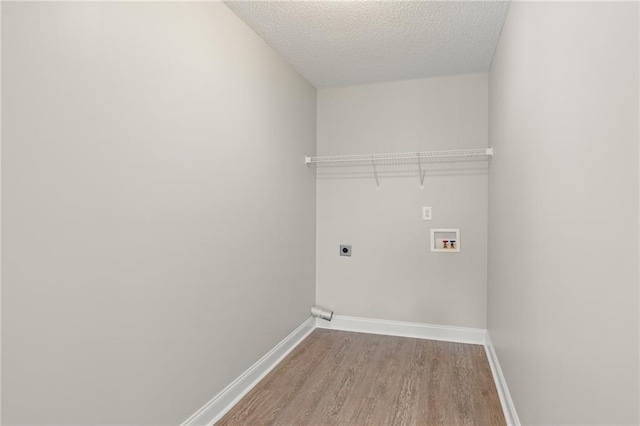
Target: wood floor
{"x":342,"y":378}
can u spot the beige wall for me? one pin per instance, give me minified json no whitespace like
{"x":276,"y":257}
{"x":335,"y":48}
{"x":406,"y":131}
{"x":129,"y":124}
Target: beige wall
{"x":563,"y":211}
{"x":392,"y":273}
{"x":158,"y":218}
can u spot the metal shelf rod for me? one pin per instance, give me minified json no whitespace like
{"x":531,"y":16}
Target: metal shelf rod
{"x":481,"y":154}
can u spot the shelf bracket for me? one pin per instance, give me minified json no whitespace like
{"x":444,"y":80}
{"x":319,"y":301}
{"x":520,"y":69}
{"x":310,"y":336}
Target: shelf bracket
{"x":375,"y":171}
{"x":422,"y":175}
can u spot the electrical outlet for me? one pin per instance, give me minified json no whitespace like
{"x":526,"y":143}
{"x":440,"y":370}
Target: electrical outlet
{"x":426,"y":213}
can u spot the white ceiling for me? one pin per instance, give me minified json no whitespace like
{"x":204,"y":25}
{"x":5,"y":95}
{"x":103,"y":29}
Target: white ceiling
{"x":339,"y":43}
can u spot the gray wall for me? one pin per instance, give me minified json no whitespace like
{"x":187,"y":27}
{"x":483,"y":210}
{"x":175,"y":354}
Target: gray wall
{"x":392,"y":273}
{"x":158,"y":218}
{"x":563,"y":211}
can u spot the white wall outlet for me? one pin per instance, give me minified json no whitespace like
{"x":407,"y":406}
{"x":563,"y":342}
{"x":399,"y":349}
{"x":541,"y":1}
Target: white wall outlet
{"x":426,"y":213}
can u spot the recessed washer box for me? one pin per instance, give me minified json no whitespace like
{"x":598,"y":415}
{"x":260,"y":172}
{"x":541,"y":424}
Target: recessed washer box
{"x":445,"y":240}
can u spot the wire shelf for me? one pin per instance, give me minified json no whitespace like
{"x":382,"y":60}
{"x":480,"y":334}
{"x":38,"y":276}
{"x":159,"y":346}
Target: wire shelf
{"x":481,"y":154}
{"x":421,"y":160}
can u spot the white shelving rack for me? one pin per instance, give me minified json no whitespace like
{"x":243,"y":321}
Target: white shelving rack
{"x":419,"y":158}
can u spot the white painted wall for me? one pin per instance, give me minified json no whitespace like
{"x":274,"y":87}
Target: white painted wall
{"x":159,"y":222}
{"x":563,"y":211}
{"x":392,"y":273}
{"x":0,"y":214}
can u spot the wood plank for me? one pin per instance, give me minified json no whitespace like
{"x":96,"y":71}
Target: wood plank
{"x":344,"y":378}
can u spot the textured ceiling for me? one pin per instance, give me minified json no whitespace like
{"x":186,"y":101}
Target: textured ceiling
{"x":338,"y":43}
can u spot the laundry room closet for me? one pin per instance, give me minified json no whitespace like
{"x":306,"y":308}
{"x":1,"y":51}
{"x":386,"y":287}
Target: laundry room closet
{"x":320,"y":212}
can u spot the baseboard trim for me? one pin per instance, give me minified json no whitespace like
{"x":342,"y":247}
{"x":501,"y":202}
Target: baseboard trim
{"x":474,"y":336}
{"x":217,"y":407}
{"x":501,"y":385}
{"x":213,"y":410}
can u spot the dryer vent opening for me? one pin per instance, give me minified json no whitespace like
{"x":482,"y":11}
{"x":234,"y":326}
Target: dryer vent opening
{"x":320,"y":312}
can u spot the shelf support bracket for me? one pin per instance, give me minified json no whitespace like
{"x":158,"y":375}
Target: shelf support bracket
{"x":375,"y":172}
{"x":420,"y":170}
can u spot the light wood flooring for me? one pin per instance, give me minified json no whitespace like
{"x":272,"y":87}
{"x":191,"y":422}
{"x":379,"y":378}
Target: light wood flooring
{"x":342,"y":378}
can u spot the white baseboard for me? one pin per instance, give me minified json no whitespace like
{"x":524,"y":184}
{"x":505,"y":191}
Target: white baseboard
{"x":405,"y":329}
{"x":213,"y":410}
{"x":501,"y":385}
